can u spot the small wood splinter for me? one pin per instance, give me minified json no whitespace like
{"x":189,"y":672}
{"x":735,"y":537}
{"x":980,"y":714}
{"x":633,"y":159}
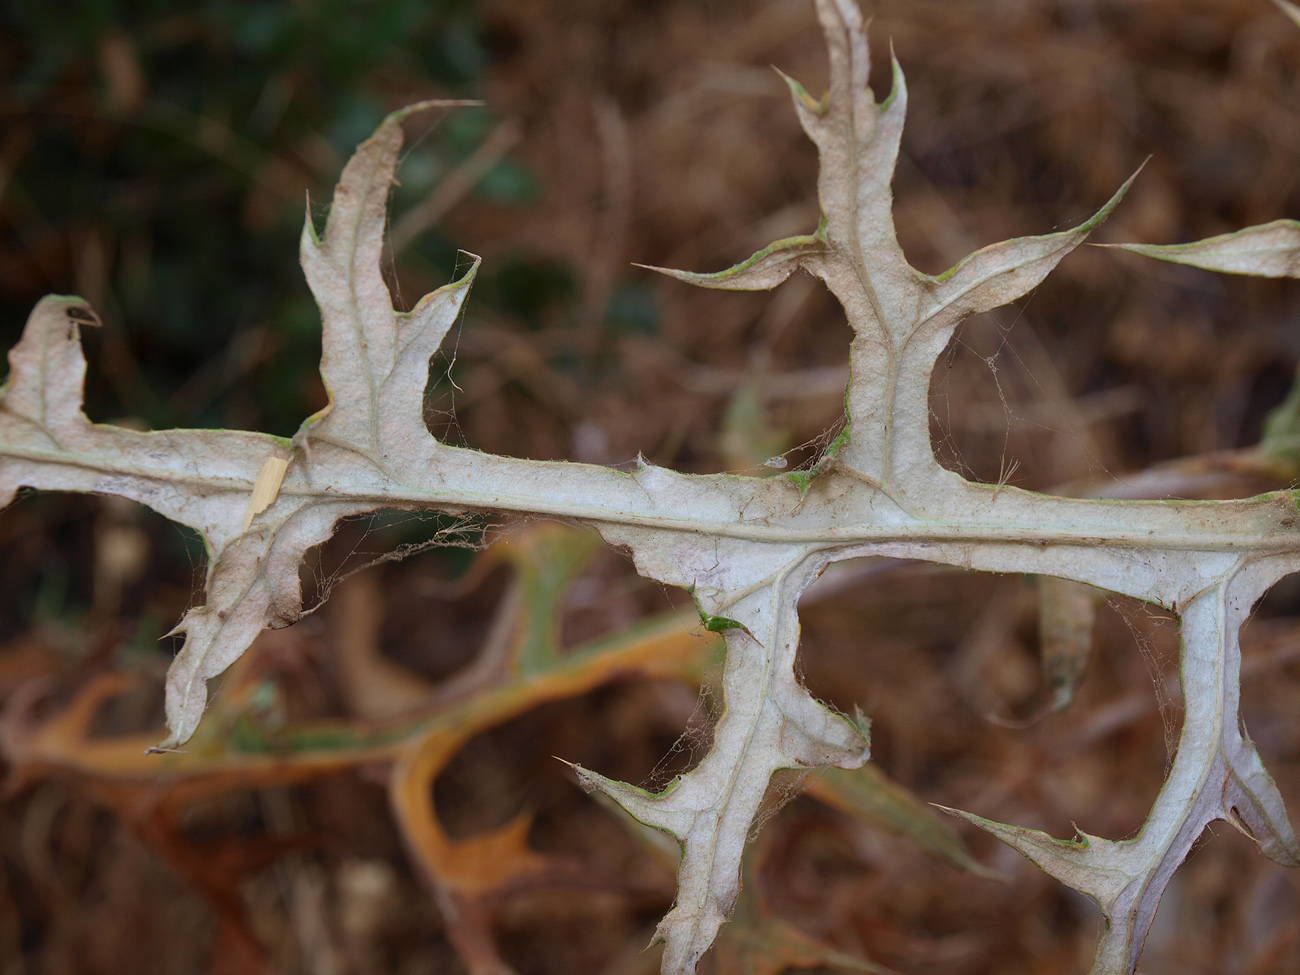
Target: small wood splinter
{"x":266,"y":488}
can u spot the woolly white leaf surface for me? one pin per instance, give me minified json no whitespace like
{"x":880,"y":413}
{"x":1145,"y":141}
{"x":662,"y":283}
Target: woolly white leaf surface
{"x":745,"y":547}
{"x":1271,"y":250}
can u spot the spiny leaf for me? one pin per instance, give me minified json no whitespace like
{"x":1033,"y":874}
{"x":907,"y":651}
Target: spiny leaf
{"x":1251,"y":793}
{"x":762,"y":272}
{"x":770,"y":723}
{"x":372,"y":356}
{"x":745,"y":547}
{"x":1271,"y":250}
{"x":1088,"y":864}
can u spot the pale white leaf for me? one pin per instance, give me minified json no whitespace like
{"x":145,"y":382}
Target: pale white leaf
{"x":1271,"y":250}
{"x":745,"y":547}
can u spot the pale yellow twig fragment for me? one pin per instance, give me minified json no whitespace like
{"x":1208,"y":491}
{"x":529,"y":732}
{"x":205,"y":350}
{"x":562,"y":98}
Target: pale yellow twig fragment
{"x":266,"y":487}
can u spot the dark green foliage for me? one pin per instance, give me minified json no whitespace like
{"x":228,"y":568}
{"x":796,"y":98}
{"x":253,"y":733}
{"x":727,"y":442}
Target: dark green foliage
{"x":159,"y":157}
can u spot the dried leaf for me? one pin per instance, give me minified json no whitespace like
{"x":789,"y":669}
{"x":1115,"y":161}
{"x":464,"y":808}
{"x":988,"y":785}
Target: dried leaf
{"x":1066,"y":613}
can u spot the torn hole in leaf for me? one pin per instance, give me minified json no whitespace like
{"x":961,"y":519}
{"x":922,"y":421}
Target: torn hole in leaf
{"x":766,"y":392}
{"x":1154,"y":635}
{"x":768,"y":433}
{"x":500,"y":386}
{"x":253,"y":368}
{"x":1004,"y":410}
{"x":785,"y":786}
{"x":863,"y":609}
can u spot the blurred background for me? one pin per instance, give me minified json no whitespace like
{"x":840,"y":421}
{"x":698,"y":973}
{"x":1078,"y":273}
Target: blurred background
{"x":156,"y":159}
